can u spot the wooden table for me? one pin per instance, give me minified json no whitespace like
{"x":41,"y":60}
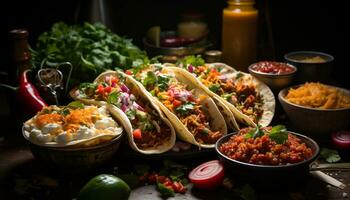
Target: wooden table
{"x":21,"y":173}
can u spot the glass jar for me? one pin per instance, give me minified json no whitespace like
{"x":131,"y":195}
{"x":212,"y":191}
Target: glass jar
{"x":239,"y":33}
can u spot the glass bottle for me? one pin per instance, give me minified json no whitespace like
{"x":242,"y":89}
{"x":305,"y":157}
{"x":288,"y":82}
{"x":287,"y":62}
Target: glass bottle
{"x":239,"y":33}
{"x":20,"y":55}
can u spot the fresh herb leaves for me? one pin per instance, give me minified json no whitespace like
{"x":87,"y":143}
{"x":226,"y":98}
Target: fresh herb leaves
{"x":330,"y":155}
{"x":278,"y":133}
{"x":214,"y":87}
{"x":152,"y":80}
{"x":76,"y":105}
{"x":185,"y":108}
{"x":90,"y":48}
{"x":255,"y":133}
{"x":113,"y":98}
{"x":192,"y":60}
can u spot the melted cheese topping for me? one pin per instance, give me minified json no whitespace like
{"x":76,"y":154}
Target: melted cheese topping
{"x":76,"y":124}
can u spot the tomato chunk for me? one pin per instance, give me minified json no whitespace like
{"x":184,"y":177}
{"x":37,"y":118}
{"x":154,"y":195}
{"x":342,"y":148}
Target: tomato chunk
{"x":137,"y":134}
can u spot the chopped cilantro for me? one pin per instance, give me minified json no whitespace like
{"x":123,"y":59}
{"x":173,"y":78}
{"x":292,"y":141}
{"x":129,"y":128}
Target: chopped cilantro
{"x":185,"y":108}
{"x":214,"y":87}
{"x":162,"y":82}
{"x":113,"y":98}
{"x":130,"y":113}
{"x":150,"y":79}
{"x":227,"y":96}
{"x":192,"y":60}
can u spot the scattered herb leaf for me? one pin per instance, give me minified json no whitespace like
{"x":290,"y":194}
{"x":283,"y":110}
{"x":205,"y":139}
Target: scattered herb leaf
{"x":330,"y":155}
{"x":76,"y":104}
{"x":214,"y":87}
{"x":185,"y":108}
{"x":113,"y":98}
{"x":164,"y":191}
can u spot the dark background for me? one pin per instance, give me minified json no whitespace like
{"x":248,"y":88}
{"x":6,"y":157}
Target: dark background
{"x":295,"y":25}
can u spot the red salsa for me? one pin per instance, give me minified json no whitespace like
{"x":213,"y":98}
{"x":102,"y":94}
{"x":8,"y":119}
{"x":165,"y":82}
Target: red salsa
{"x":265,"y":151}
{"x":272,"y":67}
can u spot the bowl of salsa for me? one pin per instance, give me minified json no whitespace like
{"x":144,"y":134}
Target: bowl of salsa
{"x":267,"y":155}
{"x":276,"y":75}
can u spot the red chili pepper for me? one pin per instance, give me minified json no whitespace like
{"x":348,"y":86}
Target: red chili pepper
{"x":28,"y":95}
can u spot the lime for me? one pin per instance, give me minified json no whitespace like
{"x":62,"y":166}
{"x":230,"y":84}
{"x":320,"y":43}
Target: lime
{"x":104,"y":187}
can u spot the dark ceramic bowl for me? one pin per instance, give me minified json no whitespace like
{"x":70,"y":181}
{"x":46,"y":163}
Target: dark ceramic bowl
{"x":267,"y":175}
{"x":76,"y":160}
{"x":315,"y":122}
{"x":309,"y":71}
{"x":274,"y":81}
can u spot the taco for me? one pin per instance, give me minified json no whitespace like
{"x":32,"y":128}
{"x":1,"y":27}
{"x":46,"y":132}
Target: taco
{"x":72,"y":125}
{"x":148,"y":130}
{"x":251,"y":101}
{"x":193,"y":113}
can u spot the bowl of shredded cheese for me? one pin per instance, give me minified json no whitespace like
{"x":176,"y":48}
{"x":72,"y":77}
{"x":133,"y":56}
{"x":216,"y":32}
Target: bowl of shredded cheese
{"x":316,"y":109}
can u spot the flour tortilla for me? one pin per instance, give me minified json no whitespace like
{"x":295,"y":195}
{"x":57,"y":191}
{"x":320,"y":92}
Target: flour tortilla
{"x":123,"y":119}
{"x":217,"y":120}
{"x":268,"y":106}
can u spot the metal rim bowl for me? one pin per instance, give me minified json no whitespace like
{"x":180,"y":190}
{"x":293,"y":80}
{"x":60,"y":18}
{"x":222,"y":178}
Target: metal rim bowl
{"x":315,"y":122}
{"x":76,"y":160}
{"x":310,"y":71}
{"x":274,"y":81}
{"x":263,"y":176}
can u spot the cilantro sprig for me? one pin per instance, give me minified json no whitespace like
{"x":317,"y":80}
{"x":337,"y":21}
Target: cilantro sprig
{"x":278,"y":133}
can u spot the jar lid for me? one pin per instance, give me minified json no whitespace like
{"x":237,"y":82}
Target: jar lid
{"x":213,"y":56}
{"x":341,"y":139}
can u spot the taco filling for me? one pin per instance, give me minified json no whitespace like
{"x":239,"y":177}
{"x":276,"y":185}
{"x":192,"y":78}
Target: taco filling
{"x":242,"y":94}
{"x":175,"y":96}
{"x":149,"y":130}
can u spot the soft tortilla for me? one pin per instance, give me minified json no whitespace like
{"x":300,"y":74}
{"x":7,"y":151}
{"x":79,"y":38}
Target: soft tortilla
{"x":123,"y":119}
{"x":217,"y":123}
{"x":266,"y":94}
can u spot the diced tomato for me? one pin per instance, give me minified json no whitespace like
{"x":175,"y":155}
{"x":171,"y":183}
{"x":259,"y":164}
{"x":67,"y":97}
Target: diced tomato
{"x":176,"y":186}
{"x":163,"y":179}
{"x":177,"y":103}
{"x":100,"y":89}
{"x":201,"y":68}
{"x":108,"y":89}
{"x":137,"y":134}
{"x":128,"y":72}
{"x":114,"y":80}
{"x":171,"y":93}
